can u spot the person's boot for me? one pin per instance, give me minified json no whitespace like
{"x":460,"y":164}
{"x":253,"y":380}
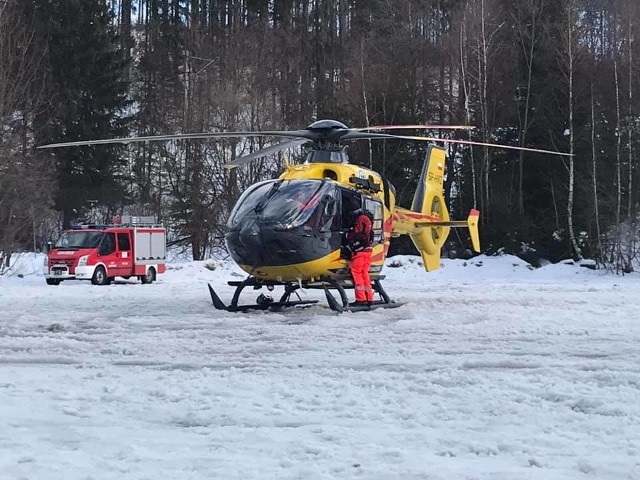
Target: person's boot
{"x":358,"y":303}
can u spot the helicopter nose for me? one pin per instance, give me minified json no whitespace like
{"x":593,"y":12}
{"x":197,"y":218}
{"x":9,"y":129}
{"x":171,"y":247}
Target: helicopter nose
{"x":250,"y":235}
{"x":245,"y":245}
{"x":265,"y":245}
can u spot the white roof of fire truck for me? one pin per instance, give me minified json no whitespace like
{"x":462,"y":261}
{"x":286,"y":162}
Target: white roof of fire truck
{"x":122,"y":221}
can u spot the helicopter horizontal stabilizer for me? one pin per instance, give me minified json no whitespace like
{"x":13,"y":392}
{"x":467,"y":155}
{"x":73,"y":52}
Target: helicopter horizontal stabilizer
{"x":471,"y":223}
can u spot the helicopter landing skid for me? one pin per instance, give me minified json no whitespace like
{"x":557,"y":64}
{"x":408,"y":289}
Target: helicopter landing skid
{"x":263,"y":302}
{"x":384,"y":302}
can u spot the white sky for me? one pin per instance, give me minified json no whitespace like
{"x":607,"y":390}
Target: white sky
{"x":489,"y":371}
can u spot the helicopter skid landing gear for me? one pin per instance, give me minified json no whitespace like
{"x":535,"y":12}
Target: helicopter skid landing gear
{"x":263,"y":302}
{"x":344,"y":306}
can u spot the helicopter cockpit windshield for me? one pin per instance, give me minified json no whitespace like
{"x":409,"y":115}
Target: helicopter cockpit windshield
{"x":280,"y":202}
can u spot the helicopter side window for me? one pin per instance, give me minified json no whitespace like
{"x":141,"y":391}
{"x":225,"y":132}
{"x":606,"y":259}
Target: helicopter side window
{"x":329,"y":220}
{"x":374,"y":207}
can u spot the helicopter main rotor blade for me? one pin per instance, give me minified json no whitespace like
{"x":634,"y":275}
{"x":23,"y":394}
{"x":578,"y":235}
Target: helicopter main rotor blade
{"x":415,"y":127}
{"x":264,"y":152}
{"x":385,"y":136}
{"x":307,"y":135}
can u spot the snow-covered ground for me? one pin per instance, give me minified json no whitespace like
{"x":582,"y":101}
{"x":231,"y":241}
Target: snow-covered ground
{"x":490,"y":370}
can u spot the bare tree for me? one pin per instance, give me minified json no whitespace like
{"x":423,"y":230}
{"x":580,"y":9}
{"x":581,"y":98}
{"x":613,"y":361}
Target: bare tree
{"x":568,"y":65}
{"x":528,"y":19}
{"x":594,"y":185}
{"x":482,"y":32}
{"x":467,"y":86}
{"x":24,"y":183}
{"x":630,"y":126}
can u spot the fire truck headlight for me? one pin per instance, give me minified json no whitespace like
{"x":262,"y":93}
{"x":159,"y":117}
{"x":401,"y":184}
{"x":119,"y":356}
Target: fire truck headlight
{"x":82,"y":261}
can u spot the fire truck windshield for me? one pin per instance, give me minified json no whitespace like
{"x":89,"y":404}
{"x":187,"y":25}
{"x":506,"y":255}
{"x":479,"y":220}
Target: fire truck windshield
{"x":79,"y":239}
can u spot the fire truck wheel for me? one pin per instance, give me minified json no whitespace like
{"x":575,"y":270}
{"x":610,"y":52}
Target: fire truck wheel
{"x":149,"y":277}
{"x":53,"y":281}
{"x":100,"y":277}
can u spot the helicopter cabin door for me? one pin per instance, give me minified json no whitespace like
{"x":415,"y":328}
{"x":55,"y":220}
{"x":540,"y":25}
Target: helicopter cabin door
{"x":352,"y":201}
{"x":374,"y":207}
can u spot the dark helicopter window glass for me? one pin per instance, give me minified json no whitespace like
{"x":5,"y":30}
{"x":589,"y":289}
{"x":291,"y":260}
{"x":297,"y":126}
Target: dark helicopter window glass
{"x":249,"y":200}
{"x":330,"y":213}
{"x":326,"y":156}
{"x":351,"y":201}
{"x":79,"y":240}
{"x":289,"y":203}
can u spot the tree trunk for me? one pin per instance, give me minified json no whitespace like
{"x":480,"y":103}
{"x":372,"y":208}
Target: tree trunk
{"x":570,"y":67}
{"x":594,"y":185}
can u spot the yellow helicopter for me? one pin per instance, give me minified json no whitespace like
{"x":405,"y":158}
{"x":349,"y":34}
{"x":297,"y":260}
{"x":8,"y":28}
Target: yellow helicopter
{"x":289,"y":232}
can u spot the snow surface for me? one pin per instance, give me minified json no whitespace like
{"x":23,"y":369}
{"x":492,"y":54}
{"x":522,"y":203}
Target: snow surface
{"x":491,"y":370}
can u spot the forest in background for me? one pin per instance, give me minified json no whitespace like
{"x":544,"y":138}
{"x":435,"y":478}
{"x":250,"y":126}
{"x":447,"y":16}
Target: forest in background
{"x":561,"y":75}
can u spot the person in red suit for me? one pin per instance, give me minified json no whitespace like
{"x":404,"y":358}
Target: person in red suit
{"x":359,"y":242}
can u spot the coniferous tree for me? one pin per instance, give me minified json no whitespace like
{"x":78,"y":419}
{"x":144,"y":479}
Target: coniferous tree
{"x":86,"y":99}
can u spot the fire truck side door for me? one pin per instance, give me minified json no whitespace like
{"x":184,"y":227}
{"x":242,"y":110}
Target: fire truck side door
{"x":125,"y":260}
{"x":108,"y":254}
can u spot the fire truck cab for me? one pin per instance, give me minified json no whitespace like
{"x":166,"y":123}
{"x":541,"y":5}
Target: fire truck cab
{"x":134,"y":246}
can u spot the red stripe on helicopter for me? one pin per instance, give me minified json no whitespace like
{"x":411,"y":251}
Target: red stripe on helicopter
{"x":414,"y":216}
{"x":378,"y":257}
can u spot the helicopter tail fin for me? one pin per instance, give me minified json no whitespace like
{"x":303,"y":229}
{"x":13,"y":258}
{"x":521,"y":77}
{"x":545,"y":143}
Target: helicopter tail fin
{"x":428,"y":223}
{"x":472,"y":225}
{"x":428,"y":200}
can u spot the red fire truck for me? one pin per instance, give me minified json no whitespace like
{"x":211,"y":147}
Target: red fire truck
{"x":134,"y":246}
